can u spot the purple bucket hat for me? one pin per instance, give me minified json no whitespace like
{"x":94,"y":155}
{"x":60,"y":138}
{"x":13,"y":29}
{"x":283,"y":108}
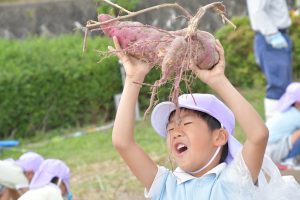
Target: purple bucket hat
{"x":49,"y":169}
{"x":30,"y":161}
{"x":206,"y":103}
{"x":291,"y":95}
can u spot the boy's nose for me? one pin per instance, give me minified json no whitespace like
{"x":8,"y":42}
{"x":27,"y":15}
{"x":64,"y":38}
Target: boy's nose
{"x":178,"y":132}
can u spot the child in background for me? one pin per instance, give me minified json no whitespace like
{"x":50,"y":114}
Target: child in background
{"x":23,"y":170}
{"x":51,"y":182}
{"x":30,"y":163}
{"x":11,"y":175}
{"x":284,"y":141}
{"x":212,"y":164}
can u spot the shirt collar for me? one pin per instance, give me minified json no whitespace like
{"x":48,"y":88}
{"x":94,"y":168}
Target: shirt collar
{"x":54,"y":186}
{"x":183,"y":176}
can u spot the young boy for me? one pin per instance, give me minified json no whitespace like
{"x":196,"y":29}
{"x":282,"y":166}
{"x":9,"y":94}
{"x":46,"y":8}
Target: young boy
{"x":199,"y":140}
{"x":284,"y":141}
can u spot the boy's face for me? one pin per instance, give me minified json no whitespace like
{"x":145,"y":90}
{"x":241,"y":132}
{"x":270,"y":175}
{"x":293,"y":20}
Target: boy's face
{"x":190,"y":141}
{"x":297,"y":105}
{"x":29,"y":175}
{"x":63,"y":188}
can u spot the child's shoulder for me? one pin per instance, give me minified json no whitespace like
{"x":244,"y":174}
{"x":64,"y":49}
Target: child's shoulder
{"x":237,"y":171}
{"x":291,"y":114}
{"x":49,"y":191}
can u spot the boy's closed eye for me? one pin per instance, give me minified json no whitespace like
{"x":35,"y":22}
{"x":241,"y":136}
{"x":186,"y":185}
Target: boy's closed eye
{"x":187,"y":123}
{"x":172,"y":127}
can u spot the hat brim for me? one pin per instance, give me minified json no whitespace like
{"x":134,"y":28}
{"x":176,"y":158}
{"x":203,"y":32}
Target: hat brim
{"x":12,"y":176}
{"x":43,"y":179}
{"x":291,"y":95}
{"x":285,"y":102}
{"x":160,"y":118}
{"x":233,"y":148}
{"x":161,"y":113}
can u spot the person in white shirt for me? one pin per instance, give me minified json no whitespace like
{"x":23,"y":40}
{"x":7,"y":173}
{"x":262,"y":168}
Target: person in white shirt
{"x":272,"y":47}
{"x":211,"y":163}
{"x":284,"y":141}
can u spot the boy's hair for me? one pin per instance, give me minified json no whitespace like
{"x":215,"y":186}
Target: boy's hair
{"x":54,"y":180}
{"x":212,"y":124}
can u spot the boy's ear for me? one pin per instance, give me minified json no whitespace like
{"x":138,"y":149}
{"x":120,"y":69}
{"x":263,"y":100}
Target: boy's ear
{"x":220,"y":137}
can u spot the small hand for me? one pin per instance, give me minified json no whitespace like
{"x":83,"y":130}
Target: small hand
{"x":277,"y":41}
{"x":210,"y":76}
{"x":135,"y":69}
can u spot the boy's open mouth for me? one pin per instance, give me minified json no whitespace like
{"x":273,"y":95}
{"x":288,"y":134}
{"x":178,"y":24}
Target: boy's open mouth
{"x":180,"y":148}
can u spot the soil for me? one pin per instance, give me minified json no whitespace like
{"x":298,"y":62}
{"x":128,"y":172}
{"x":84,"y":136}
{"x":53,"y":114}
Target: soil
{"x":295,"y":173}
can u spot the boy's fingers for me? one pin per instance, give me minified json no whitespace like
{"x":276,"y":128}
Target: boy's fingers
{"x":219,"y":48}
{"x":114,"y":51}
{"x":116,"y":43}
{"x":192,"y":65}
{"x":118,"y":50}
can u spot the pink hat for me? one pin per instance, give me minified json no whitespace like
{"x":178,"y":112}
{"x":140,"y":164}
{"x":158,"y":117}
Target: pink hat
{"x":49,"y":169}
{"x":291,"y":95}
{"x":206,"y":103}
{"x":29,"y":161}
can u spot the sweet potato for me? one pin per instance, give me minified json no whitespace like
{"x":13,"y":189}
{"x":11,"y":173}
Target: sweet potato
{"x":174,"y":51}
{"x":159,"y":47}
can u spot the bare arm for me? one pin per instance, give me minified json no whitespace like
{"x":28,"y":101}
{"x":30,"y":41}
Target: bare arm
{"x":123,"y":132}
{"x":5,"y":195}
{"x":295,"y":136}
{"x":249,"y":120}
{"x":9,"y":194}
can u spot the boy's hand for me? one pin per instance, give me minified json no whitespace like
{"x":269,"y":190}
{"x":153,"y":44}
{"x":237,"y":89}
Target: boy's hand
{"x":135,"y":69}
{"x":277,"y":41}
{"x":211,"y":76}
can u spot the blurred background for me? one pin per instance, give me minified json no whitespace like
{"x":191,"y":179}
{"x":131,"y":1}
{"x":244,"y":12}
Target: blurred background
{"x":60,"y":102}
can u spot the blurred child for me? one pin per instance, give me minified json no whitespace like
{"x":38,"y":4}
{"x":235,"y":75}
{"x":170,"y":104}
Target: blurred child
{"x":16,"y":175}
{"x":284,"y":127}
{"x":212,"y":164}
{"x":11,"y":175}
{"x":51,"y":182}
{"x":30,"y":163}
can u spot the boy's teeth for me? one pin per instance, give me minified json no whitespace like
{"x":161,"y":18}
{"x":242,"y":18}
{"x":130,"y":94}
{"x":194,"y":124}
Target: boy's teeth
{"x":180,"y":146}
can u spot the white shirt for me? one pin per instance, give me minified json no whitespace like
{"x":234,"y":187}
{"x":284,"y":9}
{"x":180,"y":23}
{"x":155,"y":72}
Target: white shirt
{"x":48,"y":192}
{"x":232,"y":181}
{"x":283,"y":124}
{"x":267,"y":16}
{"x":224,"y":182}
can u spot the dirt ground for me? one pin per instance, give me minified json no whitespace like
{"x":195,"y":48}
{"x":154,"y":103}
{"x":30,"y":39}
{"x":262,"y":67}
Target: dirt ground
{"x":295,"y":173}
{"x":112,"y":180}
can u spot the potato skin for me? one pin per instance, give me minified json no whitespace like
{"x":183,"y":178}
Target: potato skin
{"x":168,"y":49}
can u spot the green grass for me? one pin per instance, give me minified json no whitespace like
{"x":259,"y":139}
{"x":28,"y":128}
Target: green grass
{"x":97,"y":170}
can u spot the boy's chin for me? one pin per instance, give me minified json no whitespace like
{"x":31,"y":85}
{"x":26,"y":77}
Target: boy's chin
{"x":185,"y":167}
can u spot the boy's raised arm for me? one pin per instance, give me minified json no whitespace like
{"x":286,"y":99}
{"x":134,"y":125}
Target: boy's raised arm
{"x":123,"y":131}
{"x":249,"y":120}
